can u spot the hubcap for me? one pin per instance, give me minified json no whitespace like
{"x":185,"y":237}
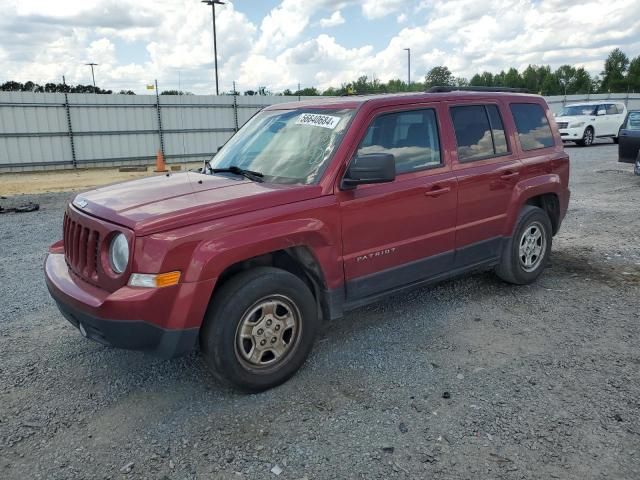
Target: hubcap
{"x":588,"y":136}
{"x":268,"y":332}
{"x":532,"y":247}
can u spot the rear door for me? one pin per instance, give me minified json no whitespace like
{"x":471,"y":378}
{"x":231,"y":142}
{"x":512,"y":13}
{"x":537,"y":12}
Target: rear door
{"x":487,"y":169}
{"x":629,"y":142}
{"x":401,"y":232}
{"x":620,"y":117}
{"x":612,"y":119}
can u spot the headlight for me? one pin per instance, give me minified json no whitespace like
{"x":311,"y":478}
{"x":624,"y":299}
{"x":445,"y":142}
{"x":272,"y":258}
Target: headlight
{"x":119,"y":253}
{"x":576,"y":125}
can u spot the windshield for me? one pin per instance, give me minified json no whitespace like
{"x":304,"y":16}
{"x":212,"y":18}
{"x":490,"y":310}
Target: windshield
{"x":286,"y":146}
{"x":574,"y":110}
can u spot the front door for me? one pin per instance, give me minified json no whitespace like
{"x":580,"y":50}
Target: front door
{"x":602,"y":122}
{"x":401,"y":232}
{"x":629,"y":139}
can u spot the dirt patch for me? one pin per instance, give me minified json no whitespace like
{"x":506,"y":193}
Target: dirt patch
{"x":30,"y":183}
{"x":578,"y":262}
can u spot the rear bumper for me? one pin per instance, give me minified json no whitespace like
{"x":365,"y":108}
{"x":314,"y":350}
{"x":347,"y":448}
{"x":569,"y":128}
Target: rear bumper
{"x":164,"y":321}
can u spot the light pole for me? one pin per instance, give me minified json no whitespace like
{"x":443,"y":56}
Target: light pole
{"x":408,"y":67}
{"x":213,"y":4}
{"x":92,"y":75}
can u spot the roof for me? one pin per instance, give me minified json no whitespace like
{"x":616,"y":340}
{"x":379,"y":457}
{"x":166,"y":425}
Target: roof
{"x":355,"y":101}
{"x":597,"y":102}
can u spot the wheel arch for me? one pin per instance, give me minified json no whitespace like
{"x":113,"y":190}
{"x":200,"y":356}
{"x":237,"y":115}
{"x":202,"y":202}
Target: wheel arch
{"x":541,"y":192}
{"x":298,"y":260}
{"x":550,"y":203}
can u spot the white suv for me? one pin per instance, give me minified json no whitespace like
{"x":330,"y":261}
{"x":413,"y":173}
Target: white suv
{"x":583,"y":122}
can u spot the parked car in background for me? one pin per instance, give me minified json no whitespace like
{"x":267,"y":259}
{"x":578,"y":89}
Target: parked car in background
{"x":629,"y":145}
{"x":582,"y":123}
{"x":312,"y":209}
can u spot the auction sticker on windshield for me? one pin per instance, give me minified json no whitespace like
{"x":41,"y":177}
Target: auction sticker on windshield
{"x":316,"y":120}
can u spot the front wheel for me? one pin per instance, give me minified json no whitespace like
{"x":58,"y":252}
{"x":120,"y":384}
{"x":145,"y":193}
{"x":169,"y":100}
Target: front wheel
{"x":527,"y":251}
{"x":259,"y":329}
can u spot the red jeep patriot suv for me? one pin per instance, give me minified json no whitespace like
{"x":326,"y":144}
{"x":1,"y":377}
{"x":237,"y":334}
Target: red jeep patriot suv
{"x":310,"y":210}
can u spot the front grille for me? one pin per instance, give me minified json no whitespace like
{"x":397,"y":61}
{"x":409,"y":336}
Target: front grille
{"x":563,"y":124}
{"x":81,"y":247}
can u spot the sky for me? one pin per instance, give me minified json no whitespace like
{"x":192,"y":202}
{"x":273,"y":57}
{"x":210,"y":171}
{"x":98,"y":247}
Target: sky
{"x":321,"y":43}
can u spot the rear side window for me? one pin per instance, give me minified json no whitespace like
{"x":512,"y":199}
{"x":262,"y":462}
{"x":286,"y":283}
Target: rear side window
{"x":612,"y":109}
{"x":411,"y":137}
{"x":633,"y":121}
{"x":532,"y":124}
{"x":479,"y":132}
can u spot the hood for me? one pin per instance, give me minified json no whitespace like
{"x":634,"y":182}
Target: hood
{"x":574,"y":118}
{"x":171,"y":201}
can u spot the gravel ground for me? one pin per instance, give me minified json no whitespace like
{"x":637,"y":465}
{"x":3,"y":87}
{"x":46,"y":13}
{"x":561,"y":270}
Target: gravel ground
{"x":542,"y":381}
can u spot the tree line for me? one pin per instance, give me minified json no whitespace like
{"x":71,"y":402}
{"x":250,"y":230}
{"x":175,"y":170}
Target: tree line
{"x":619,"y":75}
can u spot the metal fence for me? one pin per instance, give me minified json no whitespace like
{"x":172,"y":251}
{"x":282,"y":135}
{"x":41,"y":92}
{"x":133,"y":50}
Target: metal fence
{"x":44,"y":131}
{"x":631,"y":100}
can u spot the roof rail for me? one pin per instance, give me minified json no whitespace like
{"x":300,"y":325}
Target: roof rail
{"x":477,"y":89}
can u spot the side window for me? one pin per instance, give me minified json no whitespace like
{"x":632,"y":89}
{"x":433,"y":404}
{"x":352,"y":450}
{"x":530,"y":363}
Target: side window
{"x":601,"y":110}
{"x":611,"y":109}
{"x":479,"y":132}
{"x":633,"y":121}
{"x":497,"y":129}
{"x":411,"y":137}
{"x":533,"y":127}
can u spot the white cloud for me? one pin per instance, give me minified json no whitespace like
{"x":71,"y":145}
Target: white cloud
{"x":137,"y":41}
{"x":334,"y":20}
{"x":379,"y":8}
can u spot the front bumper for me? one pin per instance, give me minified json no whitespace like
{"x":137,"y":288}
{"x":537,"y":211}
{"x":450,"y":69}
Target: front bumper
{"x":572,"y":134}
{"x":163,"y":321}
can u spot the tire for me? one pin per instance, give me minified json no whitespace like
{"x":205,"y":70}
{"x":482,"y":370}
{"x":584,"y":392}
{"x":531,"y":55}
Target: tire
{"x":616,"y":140}
{"x":252,"y":312}
{"x":587,"y":137}
{"x":512,"y":268}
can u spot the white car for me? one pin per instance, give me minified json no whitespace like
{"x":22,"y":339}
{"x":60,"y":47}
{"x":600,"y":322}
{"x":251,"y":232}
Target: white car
{"x":584,"y":122}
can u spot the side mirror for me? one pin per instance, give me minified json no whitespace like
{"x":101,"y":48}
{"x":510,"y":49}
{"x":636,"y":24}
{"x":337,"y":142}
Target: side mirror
{"x":370,"y":168}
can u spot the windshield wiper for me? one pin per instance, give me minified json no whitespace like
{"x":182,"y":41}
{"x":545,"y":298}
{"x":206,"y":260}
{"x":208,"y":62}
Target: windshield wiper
{"x":250,"y":174}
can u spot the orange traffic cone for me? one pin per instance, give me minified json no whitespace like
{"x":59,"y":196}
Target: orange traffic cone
{"x":161,"y":167}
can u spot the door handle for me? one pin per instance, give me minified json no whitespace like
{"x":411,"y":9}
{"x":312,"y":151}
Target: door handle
{"x":437,"y":191}
{"x":509,"y":175}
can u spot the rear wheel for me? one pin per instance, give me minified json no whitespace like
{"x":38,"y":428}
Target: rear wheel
{"x":259,"y":329}
{"x":587,"y":138}
{"x":527,"y":251}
